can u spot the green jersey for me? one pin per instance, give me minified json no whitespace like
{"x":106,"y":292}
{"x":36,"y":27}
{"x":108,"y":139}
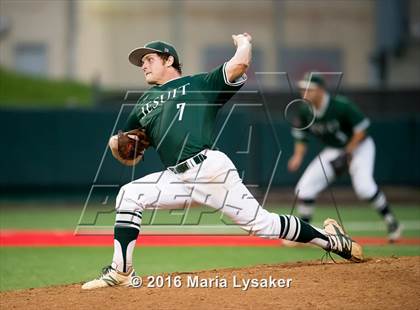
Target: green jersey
{"x":179,"y":116}
{"x":334,"y":123}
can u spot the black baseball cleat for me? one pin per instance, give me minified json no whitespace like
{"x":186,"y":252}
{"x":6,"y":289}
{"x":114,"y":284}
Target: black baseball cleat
{"x":341,"y":244}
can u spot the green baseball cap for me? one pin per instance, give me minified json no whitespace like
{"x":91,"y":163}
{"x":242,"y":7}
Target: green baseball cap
{"x":312,"y":80}
{"x":137,"y":54}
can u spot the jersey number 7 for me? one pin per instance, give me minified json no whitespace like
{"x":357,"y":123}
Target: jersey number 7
{"x":181,"y":112}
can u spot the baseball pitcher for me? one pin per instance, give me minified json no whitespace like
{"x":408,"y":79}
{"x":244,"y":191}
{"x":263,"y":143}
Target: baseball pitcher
{"x":343,"y":128}
{"x":176,"y":117}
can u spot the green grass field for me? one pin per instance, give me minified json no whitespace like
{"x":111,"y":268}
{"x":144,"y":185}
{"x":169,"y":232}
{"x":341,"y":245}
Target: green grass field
{"x":41,"y":266}
{"x":19,"y":90}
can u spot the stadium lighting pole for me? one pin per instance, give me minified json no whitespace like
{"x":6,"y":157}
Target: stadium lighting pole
{"x":71,"y":38}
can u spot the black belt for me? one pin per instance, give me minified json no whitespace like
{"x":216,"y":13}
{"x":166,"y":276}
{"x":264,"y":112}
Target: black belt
{"x":187,"y":164}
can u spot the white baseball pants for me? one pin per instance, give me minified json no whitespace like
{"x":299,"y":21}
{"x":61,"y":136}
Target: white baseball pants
{"x":319,"y":174}
{"x":214,"y":182}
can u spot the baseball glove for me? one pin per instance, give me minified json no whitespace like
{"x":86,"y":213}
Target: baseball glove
{"x":341,"y":163}
{"x":132,"y":144}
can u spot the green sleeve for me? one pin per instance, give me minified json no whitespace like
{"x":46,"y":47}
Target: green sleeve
{"x":132,"y":121}
{"x":300,"y":121}
{"x":354,"y":117}
{"x":218,"y":88}
{"x":217,"y":79}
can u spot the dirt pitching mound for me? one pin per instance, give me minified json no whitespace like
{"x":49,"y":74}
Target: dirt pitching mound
{"x":380,"y":283}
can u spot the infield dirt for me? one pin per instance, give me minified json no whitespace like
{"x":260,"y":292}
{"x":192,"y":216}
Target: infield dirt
{"x":379,"y":283}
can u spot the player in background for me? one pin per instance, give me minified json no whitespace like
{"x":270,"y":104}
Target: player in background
{"x":344,"y":131}
{"x":178,"y":113}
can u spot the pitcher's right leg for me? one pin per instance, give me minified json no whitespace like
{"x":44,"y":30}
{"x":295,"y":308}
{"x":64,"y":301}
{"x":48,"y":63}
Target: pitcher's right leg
{"x":244,"y":210}
{"x":229,"y":195}
{"x":157,"y":190}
